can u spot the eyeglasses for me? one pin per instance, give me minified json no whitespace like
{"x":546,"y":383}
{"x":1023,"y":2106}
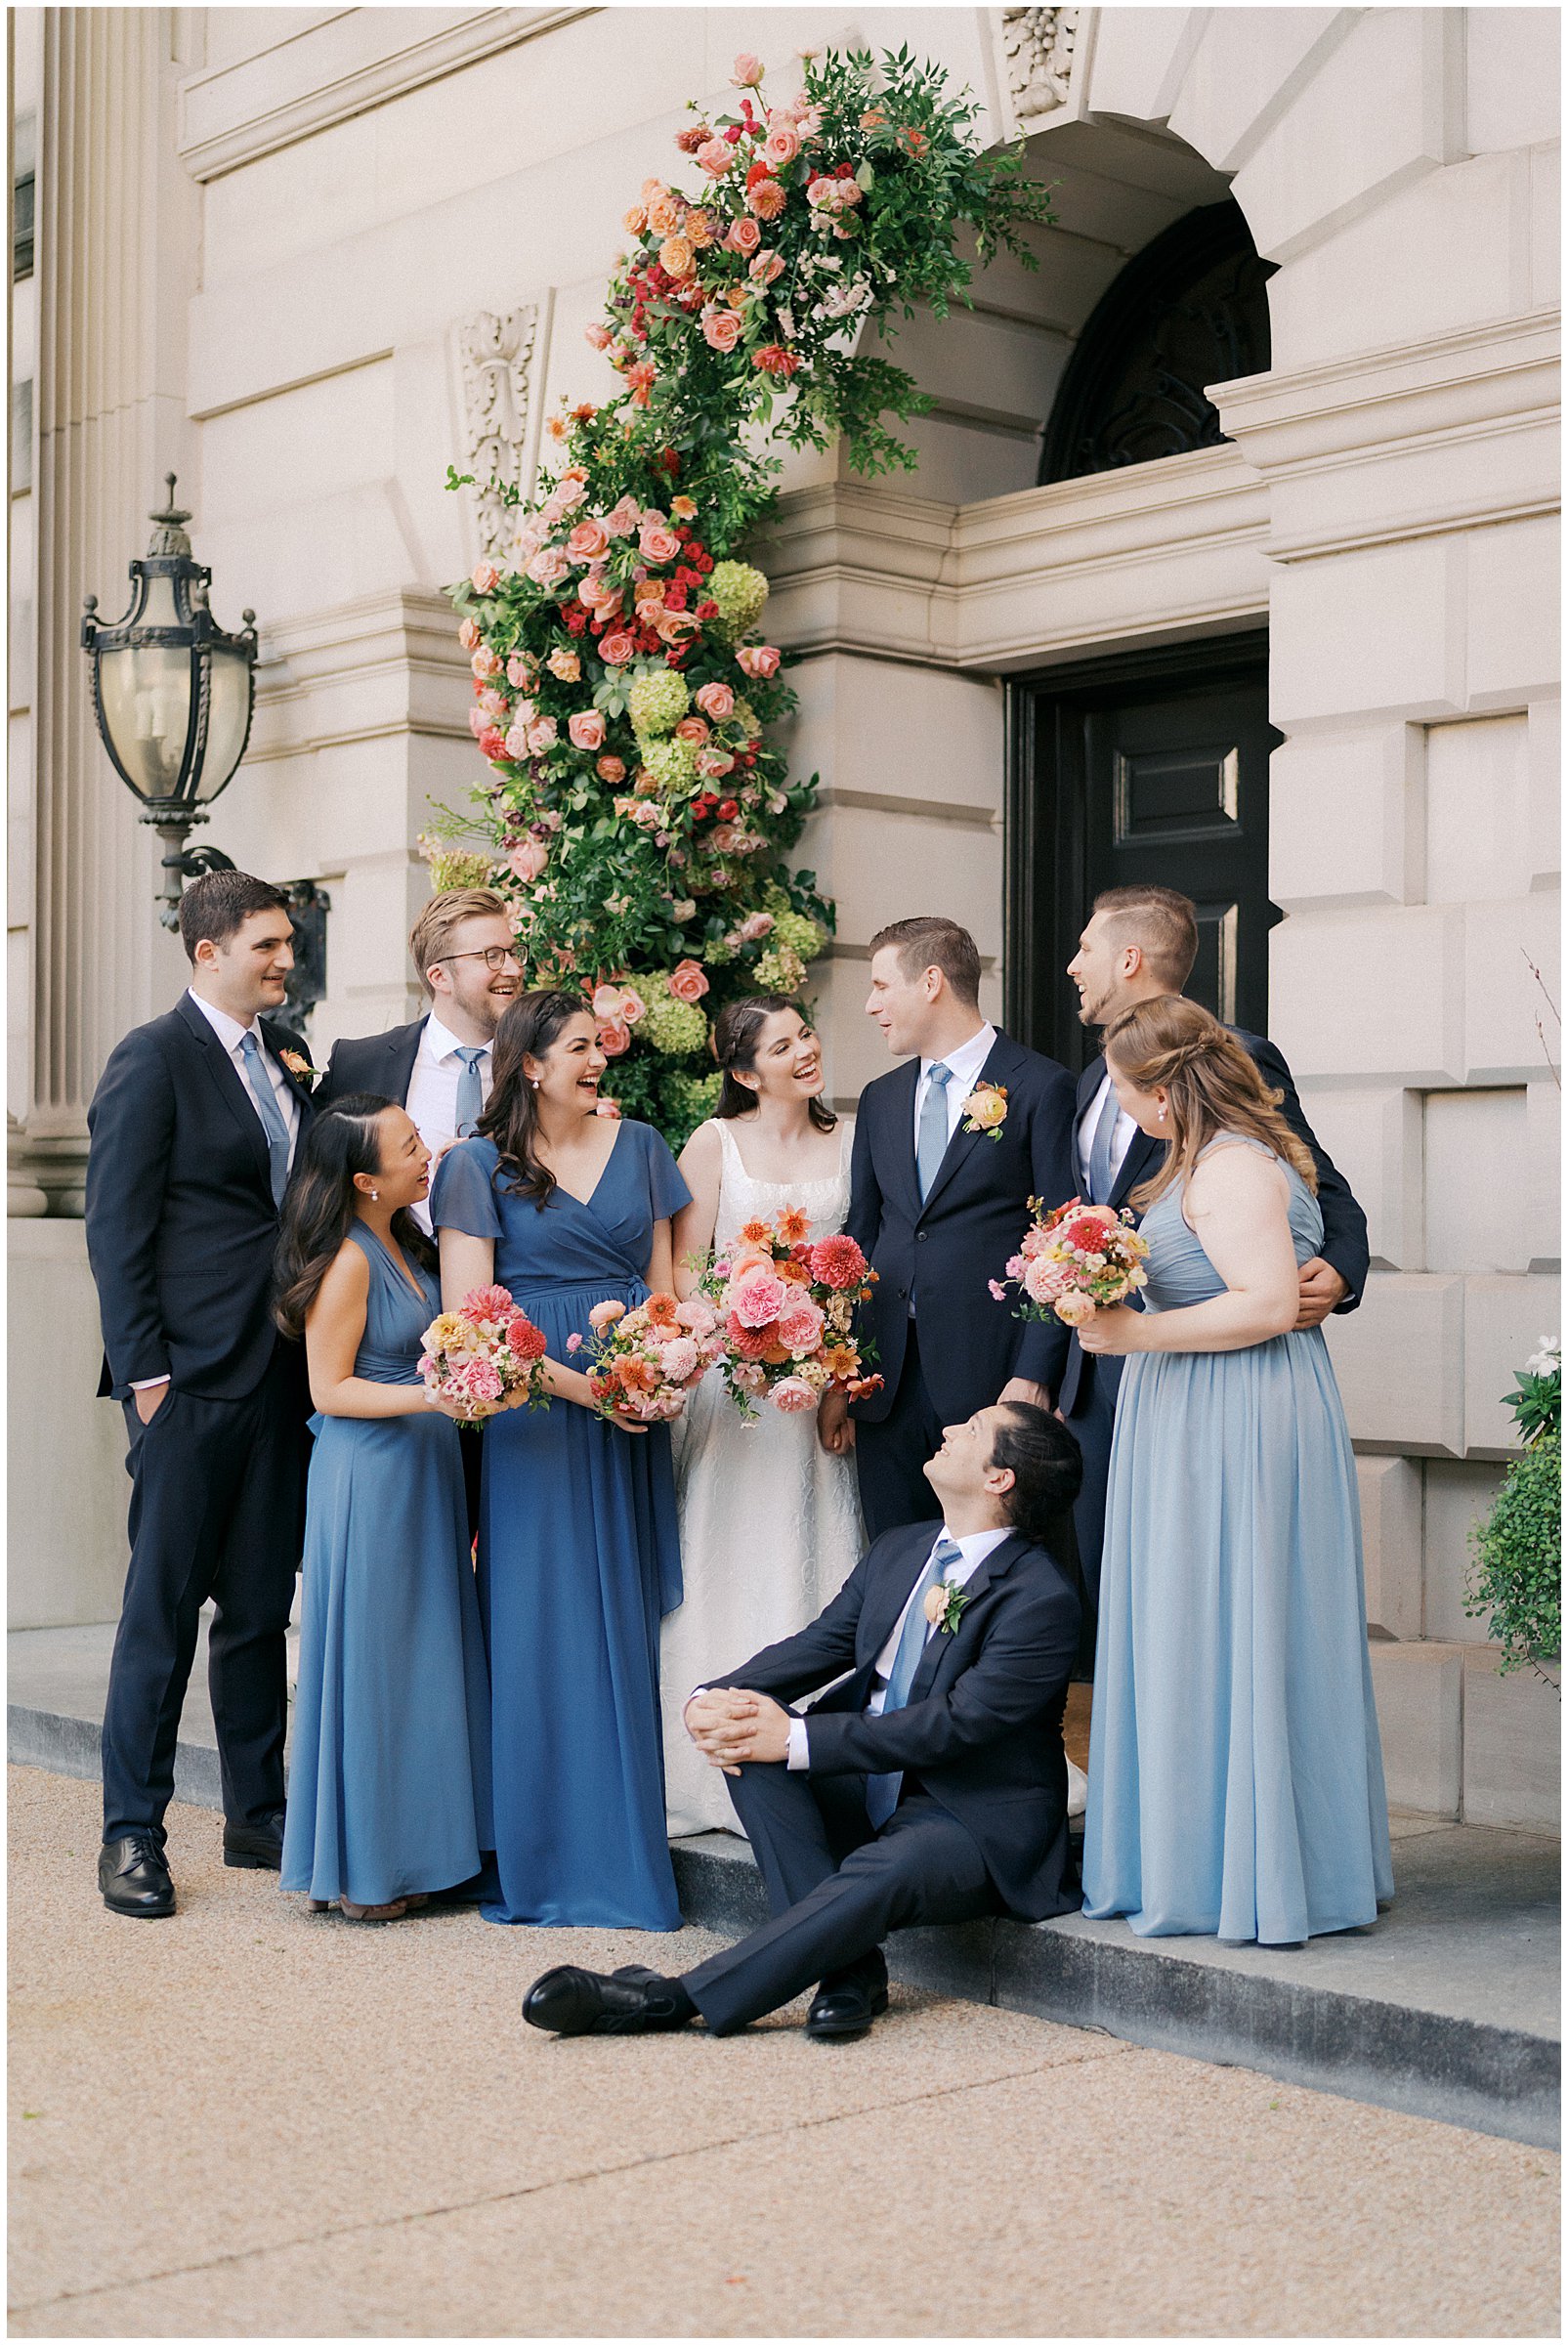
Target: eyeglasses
{"x":495,"y":957}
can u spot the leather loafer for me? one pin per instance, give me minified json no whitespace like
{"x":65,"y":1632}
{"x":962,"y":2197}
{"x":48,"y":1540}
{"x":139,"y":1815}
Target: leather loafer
{"x":255,"y":1848}
{"x":841,"y":2013}
{"x":570,"y":2001}
{"x":133,"y":1874}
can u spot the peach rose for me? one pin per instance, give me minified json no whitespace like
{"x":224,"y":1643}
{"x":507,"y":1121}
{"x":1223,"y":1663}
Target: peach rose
{"x":517,"y":741}
{"x":600,"y":336}
{"x":757,"y":659}
{"x":527,"y":859}
{"x":716,"y":156}
{"x":610,"y":1109}
{"x":781,"y":144}
{"x":691,"y":729}
{"x":605,"y":1003}
{"x":484,"y":578}
{"x":765,"y":269}
{"x":699,"y":230}
{"x":743,"y":237}
{"x":610,"y":770}
{"x":635,"y":220}
{"x":687,"y":982}
{"x":542,"y":734}
{"x":615,"y":650}
{"x":622,"y":518}
{"x":715,"y":763}
{"x":605,"y":1314}
{"x":519,"y":671}
{"x":766,"y":200}
{"x":664,"y":217}
{"x":613,"y":1040}
{"x":564,"y":667}
{"x":1074,"y":1310}
{"x":586,"y":730}
{"x":721,"y":330}
{"x":655,"y":540}
{"x":676,"y":257}
{"x":747,"y":74}
{"x":632,"y":1004}
{"x":715,"y":701}
{"x":738,"y":296}
{"x":548,"y":567}
{"x":468,"y":636}
{"x":485,"y":664}
{"x":588,"y":541}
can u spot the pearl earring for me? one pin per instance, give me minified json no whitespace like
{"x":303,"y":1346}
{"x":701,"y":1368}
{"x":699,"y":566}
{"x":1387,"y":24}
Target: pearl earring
{"x":375,"y":1196}
{"x":1162,"y":1114}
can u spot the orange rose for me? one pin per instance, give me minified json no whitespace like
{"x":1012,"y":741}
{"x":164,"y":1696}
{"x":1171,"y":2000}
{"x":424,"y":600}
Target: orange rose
{"x":664,"y":217}
{"x":676,"y":257}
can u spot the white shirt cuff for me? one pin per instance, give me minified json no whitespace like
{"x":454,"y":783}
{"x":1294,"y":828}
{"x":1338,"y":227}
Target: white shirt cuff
{"x":799,"y":1762}
{"x":148,"y":1384}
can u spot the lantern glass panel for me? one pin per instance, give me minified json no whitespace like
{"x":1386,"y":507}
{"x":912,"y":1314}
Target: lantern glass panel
{"x":228,"y":720}
{"x":145,"y":696}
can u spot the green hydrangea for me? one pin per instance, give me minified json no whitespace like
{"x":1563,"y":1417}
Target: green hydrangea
{"x":740,"y":593}
{"x":793,"y":932}
{"x":461,"y":867}
{"x":719,"y":950}
{"x":747,"y":717}
{"x":676,"y":1027}
{"x":688,"y":1100}
{"x":780,"y":973}
{"x":656,"y":703}
{"x":672,"y":764}
{"x":775,"y":899}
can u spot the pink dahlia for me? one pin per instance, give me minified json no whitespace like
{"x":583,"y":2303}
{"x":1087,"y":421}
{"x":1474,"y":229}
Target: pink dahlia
{"x":837,"y":1262}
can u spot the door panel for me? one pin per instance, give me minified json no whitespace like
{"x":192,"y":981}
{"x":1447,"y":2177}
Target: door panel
{"x":1152,"y":767}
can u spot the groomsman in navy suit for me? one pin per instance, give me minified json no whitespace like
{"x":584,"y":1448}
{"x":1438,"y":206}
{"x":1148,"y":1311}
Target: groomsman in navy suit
{"x":1141,"y":942}
{"x":948,"y":1150}
{"x":194,"y":1129}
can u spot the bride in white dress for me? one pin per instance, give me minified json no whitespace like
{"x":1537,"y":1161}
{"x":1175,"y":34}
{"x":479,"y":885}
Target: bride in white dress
{"x":770,"y":1523}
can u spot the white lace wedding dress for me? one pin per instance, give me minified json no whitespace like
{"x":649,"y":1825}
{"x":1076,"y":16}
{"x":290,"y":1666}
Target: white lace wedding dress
{"x":770,"y":1523}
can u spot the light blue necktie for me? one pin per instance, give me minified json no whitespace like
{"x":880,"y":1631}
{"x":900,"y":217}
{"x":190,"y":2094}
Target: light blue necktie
{"x":932,"y":1144}
{"x":470,"y":1096}
{"x":1100,"y":1181}
{"x":882,"y":1791}
{"x":271,"y":1114}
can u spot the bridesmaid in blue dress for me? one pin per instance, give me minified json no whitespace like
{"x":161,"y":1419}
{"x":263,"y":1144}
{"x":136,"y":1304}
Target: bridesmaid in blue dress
{"x":579,"y":1557}
{"x":1236,"y":1784}
{"x":389,"y":1793}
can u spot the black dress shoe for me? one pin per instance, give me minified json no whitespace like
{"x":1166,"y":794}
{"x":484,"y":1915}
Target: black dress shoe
{"x":133,"y":1874}
{"x":573,"y":2002}
{"x":255,"y":1848}
{"x":845,"y":2009}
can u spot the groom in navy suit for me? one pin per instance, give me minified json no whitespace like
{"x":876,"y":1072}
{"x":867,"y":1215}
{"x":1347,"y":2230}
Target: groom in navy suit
{"x":194,"y":1127}
{"x":1141,"y":942}
{"x":948,"y":1150}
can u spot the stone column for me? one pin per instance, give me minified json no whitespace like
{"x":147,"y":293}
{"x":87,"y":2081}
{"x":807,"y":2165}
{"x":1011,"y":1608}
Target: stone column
{"x":116,"y":247}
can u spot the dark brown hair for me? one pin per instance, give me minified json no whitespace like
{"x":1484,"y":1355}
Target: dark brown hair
{"x":929,"y":942}
{"x":1162,"y":923}
{"x":528,"y":1028}
{"x":217,"y":905}
{"x":319,"y":1208}
{"x":1046,"y":1465}
{"x":737,"y":1030}
{"x":1213,"y":1084}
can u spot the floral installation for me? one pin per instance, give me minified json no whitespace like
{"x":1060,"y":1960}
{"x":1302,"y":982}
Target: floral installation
{"x":300,"y":1067}
{"x":645,"y":1361}
{"x":986,"y":1109}
{"x":1075,"y":1261}
{"x":784,"y":1309}
{"x":635,"y":809}
{"x":482,"y":1354}
{"x":944,"y":1605}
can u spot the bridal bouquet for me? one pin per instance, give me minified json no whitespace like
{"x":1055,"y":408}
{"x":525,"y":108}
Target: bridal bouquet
{"x":786,"y":1309}
{"x":482,"y":1354}
{"x":647,"y":1360}
{"x":1075,"y":1261}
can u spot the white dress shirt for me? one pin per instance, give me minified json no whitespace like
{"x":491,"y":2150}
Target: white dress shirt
{"x":1121,"y":1138}
{"x":973,"y":1548}
{"x":964,"y":1065}
{"x":232,"y":1034}
{"x":432,"y":1100}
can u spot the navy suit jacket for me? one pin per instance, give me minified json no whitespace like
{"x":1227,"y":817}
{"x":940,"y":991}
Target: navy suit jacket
{"x":180,"y":1224}
{"x":383,"y":1063}
{"x":944,"y":1250}
{"x":982,"y":1728}
{"x":1345,"y":1224}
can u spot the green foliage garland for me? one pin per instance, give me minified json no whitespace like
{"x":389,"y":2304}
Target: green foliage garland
{"x":634,"y":810}
{"x":1518,"y":1548}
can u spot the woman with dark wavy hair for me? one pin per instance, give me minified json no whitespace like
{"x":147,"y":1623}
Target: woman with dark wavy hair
{"x":578,"y":1554}
{"x":388,"y":1795}
{"x":772,"y":1142}
{"x":1236,"y":1782}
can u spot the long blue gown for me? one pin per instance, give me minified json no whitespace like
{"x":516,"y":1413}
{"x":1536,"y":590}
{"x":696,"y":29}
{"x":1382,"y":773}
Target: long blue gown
{"x":389,"y":1787}
{"x":578,"y":1558}
{"x":1235,"y":1784}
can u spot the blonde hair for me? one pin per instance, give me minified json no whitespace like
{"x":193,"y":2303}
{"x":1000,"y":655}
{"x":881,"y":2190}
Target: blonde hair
{"x":1212,"y":1086}
{"x":432,"y":933}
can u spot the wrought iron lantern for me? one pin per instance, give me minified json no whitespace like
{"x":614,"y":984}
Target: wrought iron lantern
{"x":172,"y":695}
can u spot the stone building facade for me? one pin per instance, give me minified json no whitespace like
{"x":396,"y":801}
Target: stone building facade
{"x":1283,"y":623}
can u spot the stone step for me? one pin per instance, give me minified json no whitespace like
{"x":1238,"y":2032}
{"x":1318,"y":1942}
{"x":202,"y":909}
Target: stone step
{"x":1449,"y":2008}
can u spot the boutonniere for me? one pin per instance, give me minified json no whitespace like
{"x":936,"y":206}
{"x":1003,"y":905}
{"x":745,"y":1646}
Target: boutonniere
{"x":986,"y":1109}
{"x":944,"y":1605}
{"x":300,"y":1067}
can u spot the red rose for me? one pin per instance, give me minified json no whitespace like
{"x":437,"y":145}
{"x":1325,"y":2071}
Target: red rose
{"x":728,"y":811}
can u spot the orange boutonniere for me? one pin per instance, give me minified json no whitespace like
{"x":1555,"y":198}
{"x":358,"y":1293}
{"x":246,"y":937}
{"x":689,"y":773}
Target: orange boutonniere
{"x":986,"y":1109}
{"x":300,"y":1067}
{"x":944,"y":1605}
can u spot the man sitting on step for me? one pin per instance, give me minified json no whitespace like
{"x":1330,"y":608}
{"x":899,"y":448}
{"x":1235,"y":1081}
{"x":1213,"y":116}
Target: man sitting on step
{"x":930,"y":1785}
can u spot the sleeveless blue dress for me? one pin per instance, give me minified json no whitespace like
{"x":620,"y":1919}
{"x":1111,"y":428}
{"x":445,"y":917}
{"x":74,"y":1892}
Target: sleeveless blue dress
{"x":1235,"y":1784}
{"x":389,"y":1788}
{"x":578,"y":1558}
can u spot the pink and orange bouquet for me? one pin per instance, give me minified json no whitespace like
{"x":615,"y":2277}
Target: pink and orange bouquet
{"x":786,"y":1313}
{"x":482,"y":1354}
{"x":645,"y":1361}
{"x":1075,"y":1261}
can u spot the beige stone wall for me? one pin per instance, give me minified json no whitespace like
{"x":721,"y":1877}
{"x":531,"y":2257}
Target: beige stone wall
{"x":344,"y":207}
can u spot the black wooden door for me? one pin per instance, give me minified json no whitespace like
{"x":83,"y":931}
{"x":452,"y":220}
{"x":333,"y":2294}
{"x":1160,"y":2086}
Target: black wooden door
{"x":1150,"y":767}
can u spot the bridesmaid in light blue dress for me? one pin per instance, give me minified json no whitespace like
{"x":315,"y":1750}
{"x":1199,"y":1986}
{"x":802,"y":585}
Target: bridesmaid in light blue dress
{"x":578,"y":1550}
{"x":1235,"y":1784}
{"x":389,"y":1793}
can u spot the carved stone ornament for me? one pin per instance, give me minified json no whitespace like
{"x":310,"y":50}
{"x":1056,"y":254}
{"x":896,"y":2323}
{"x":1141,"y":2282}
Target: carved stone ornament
{"x":1037,"y":44}
{"x":497,"y":356}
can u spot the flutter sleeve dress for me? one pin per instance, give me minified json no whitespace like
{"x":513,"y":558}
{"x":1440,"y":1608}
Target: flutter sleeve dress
{"x":578,"y":1559}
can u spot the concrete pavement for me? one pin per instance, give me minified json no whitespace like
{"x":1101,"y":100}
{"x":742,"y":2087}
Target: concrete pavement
{"x":244,"y":2123}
